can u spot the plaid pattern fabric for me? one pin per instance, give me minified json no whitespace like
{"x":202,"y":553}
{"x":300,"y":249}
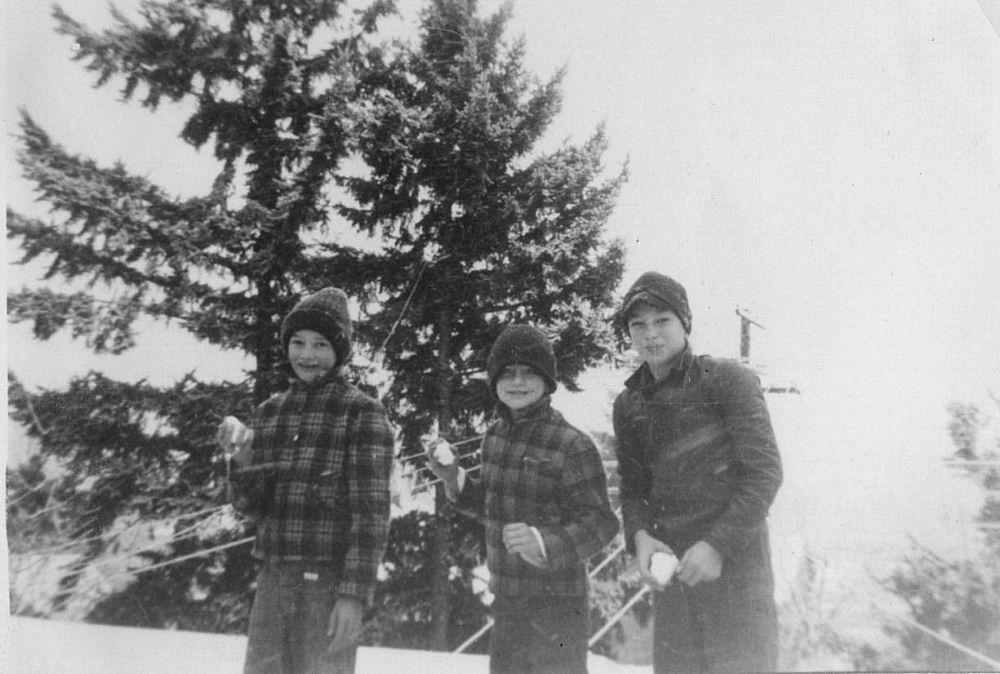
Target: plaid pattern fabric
{"x":319,"y":479}
{"x":542,"y":471}
{"x":696,"y":455}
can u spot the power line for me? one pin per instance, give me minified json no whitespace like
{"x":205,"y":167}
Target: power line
{"x":948,"y":641}
{"x":118,"y":534}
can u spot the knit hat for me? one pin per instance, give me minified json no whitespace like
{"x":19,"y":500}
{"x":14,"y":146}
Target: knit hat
{"x":325,"y":312}
{"x":523,"y":345}
{"x":657,"y":290}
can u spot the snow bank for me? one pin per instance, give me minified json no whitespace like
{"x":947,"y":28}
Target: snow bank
{"x":54,"y":647}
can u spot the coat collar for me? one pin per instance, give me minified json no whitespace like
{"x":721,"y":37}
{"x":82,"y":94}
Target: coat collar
{"x":536,"y":410}
{"x":294,"y":383}
{"x":643,"y":377}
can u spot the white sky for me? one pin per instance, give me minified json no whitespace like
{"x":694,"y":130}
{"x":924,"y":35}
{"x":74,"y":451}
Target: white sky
{"x":833,"y":167}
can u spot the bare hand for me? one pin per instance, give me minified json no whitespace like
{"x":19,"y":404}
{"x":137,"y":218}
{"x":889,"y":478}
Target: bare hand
{"x":344,"y":627}
{"x":645,"y":546}
{"x":701,"y":564}
{"x":235,"y":440}
{"x":447,"y":474}
{"x":519,"y":539}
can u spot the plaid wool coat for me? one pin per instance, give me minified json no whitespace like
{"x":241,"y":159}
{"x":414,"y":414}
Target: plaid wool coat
{"x":542,"y":471}
{"x":318,"y":483}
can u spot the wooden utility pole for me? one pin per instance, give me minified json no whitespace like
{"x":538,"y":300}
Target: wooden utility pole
{"x":745,"y":323}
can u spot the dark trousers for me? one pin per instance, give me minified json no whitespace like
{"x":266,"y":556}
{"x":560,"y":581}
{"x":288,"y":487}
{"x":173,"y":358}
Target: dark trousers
{"x":729,"y":625}
{"x":289,"y":619}
{"x":540,"y":635}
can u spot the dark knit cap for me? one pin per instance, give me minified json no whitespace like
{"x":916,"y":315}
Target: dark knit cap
{"x":523,"y":345}
{"x":325,"y":312}
{"x":657,"y":290}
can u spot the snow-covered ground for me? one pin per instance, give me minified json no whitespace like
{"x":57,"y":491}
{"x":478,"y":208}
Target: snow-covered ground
{"x":55,"y":647}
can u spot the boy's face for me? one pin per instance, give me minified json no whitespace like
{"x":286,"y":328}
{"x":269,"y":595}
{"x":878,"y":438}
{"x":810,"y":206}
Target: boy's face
{"x":657,"y":335}
{"x":518,"y":386}
{"x":311,"y":354}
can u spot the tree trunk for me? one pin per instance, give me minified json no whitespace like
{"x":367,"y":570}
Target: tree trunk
{"x":263,"y":352}
{"x":441,"y":602}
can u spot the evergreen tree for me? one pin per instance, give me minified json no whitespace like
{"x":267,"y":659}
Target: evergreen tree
{"x":475,"y":234}
{"x":274,"y":86}
{"x":478,"y":234}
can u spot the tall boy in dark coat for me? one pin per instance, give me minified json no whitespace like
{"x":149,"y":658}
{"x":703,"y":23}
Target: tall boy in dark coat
{"x":699,"y":470}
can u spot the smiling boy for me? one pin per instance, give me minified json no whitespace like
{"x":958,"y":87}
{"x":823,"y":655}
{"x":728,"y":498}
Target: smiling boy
{"x":699,"y":470}
{"x":314,"y":474}
{"x":543,"y":501}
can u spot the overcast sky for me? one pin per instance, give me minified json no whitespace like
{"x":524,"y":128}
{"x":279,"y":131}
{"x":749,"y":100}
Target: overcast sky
{"x":834,"y":167}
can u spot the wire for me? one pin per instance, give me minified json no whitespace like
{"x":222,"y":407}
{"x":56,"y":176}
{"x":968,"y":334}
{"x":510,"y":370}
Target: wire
{"x":406,"y":304}
{"x":419,"y":469}
{"x":616,"y":618}
{"x":184,"y":558}
{"x":475,"y":637}
{"x":183,"y":534}
{"x":994,"y":664}
{"x":410,"y":457}
{"x":427,"y":485}
{"x":619,"y":549}
{"x":117,"y":534}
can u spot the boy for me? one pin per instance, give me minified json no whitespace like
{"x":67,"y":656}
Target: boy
{"x":313,"y":471}
{"x":699,"y":469}
{"x":544,"y":503}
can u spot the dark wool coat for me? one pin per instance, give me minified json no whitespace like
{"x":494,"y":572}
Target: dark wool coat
{"x":698,"y":461}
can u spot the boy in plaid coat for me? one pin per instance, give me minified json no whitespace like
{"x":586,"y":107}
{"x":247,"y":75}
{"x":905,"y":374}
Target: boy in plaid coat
{"x":544,"y":503}
{"x":313,"y":471}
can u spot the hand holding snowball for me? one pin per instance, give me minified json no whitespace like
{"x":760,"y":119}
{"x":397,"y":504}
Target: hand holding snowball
{"x":235,"y":440}
{"x":441,"y":461}
{"x":701,"y":564}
